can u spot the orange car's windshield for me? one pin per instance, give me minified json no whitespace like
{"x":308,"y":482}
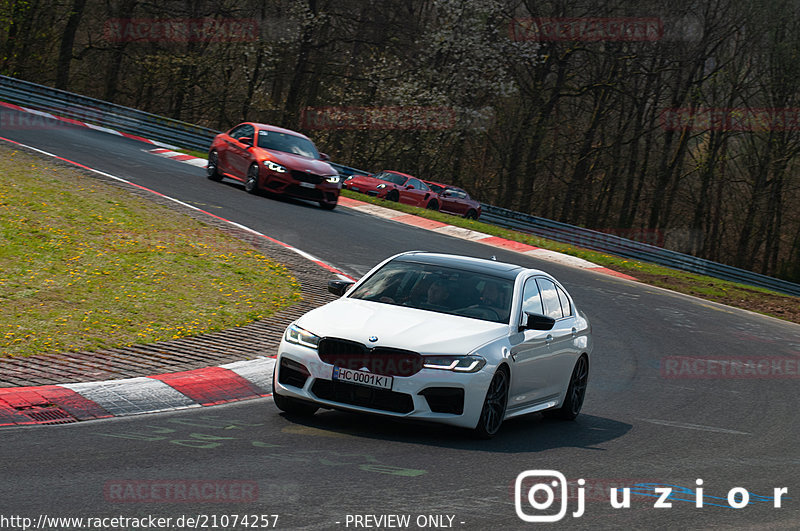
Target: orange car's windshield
{"x":287,"y":143}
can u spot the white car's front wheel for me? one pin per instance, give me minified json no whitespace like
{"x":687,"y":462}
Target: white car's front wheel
{"x":294,"y":407}
{"x":289,"y":405}
{"x":494,"y":406}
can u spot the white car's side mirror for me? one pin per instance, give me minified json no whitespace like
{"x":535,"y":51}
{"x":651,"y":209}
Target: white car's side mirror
{"x":339,"y":287}
{"x":537,"y":322}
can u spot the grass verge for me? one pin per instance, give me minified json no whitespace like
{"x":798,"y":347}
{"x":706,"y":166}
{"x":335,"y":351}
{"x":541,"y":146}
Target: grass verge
{"x":85,"y":265}
{"x":199,"y":154}
{"x":731,"y":293}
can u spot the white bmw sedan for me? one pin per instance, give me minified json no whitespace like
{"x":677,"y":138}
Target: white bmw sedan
{"x":444,"y":338}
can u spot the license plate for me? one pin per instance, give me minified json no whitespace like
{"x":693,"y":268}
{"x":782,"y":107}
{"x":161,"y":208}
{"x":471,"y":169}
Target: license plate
{"x":307,"y":185}
{"x":362,"y":378}
{"x":355,"y":189}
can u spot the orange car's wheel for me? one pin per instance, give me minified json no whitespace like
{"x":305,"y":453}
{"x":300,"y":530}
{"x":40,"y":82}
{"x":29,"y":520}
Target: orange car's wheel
{"x":251,"y":184}
{"x":212,"y":169}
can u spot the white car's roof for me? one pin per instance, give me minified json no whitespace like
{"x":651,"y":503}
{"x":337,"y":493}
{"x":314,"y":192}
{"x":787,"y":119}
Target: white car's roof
{"x":468,"y":263}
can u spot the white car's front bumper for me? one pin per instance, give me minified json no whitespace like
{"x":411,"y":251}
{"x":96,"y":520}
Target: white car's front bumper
{"x":407,"y":398}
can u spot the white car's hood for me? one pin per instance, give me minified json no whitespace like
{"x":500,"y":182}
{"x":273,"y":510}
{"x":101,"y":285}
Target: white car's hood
{"x":400,"y":327}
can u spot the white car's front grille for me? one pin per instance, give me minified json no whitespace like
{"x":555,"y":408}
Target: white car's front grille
{"x":386,"y":361}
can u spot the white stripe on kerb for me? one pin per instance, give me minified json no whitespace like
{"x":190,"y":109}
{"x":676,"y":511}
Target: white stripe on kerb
{"x":131,"y":396}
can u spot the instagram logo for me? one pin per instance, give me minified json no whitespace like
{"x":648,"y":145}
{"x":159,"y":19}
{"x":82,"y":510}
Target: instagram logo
{"x":536,"y":493}
{"x":537,"y":490}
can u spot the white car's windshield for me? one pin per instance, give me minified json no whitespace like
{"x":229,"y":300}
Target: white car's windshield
{"x":439,"y":289}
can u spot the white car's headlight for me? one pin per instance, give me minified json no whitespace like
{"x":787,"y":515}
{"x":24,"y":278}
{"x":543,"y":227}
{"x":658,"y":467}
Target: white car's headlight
{"x":333,"y":179}
{"x":471,"y":363}
{"x":381,"y":186}
{"x":295,"y":334}
{"x":274,"y":166}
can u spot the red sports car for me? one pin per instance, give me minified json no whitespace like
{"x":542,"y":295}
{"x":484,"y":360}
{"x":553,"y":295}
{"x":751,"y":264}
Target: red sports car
{"x":395,"y":186}
{"x":454,"y":200}
{"x":276,"y":160}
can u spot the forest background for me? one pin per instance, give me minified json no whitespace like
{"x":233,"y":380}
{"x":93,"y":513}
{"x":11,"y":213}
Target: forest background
{"x":672,"y":123}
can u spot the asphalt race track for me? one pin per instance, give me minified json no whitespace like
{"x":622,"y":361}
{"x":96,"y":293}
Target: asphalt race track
{"x":648,"y":419}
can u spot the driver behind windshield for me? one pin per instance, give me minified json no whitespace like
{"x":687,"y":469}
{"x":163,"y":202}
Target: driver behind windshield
{"x":438,"y":294}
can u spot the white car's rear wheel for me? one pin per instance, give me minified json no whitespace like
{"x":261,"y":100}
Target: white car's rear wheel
{"x":576,"y":392}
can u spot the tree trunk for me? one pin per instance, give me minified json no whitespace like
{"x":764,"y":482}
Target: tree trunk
{"x":117,"y":51}
{"x":294,"y":94}
{"x":67,"y":42}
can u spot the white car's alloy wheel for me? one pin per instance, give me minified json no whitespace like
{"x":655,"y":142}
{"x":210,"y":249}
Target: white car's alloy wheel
{"x":494,"y":407}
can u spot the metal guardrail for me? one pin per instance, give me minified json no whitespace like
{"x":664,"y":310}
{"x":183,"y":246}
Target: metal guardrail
{"x":103,"y":113}
{"x":169,"y":131}
{"x":609,"y":243}
{"x":347,"y":171}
